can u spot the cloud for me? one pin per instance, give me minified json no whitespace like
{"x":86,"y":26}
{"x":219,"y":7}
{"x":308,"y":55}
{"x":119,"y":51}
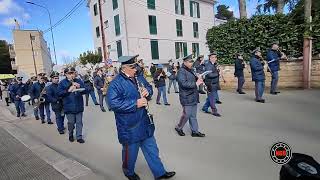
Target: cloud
{"x":26,"y":16}
{"x":9,"y":6}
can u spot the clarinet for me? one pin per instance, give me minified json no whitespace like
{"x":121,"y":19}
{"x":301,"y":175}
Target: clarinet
{"x":140,"y":88}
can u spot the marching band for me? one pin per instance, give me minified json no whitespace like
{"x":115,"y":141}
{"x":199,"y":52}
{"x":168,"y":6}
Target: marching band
{"x":127,"y":93}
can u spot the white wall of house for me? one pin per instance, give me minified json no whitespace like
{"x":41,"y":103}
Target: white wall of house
{"x":135,"y":36}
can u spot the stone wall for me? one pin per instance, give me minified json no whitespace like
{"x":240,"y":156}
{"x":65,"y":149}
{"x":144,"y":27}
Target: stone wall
{"x":290,"y":75}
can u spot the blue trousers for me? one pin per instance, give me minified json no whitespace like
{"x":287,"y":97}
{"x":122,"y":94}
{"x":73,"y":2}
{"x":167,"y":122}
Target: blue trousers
{"x":75,"y":120}
{"x":101,"y":97}
{"x":274,"y":81}
{"x":41,"y":108}
{"x":174,"y":82}
{"x":93,"y":97}
{"x":151,"y":154}
{"x":211,"y":101}
{"x":19,"y":107}
{"x":189,"y":114}
{"x":259,"y":89}
{"x":162,"y":91}
{"x":241,"y":81}
{"x":59,"y":120}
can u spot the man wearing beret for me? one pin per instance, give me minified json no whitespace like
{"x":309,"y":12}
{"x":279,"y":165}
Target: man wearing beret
{"x":189,"y":97}
{"x":258,"y":76}
{"x":128,"y":96}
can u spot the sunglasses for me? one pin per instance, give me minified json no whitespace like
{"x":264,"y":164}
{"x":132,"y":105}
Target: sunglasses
{"x":132,"y":66}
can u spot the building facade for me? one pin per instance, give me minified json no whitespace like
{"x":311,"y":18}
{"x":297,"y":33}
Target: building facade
{"x":157,"y":30}
{"x":31,"y":52}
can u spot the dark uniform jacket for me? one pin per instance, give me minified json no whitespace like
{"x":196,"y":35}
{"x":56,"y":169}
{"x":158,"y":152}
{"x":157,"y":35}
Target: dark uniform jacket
{"x":72,"y":101}
{"x":133,"y":123}
{"x":35,"y":91}
{"x":173,"y":75}
{"x":99,"y":83}
{"x":212,"y":79}
{"x":188,"y":92}
{"x":18,"y":90}
{"x":87,"y":83}
{"x":273,"y":58}
{"x":200,"y":68}
{"x":159,"y":82}
{"x":53,"y":98}
{"x":238,"y":68}
{"x":257,"y":69}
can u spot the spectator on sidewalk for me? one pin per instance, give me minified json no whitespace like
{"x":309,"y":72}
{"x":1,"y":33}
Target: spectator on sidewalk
{"x":160,"y":83}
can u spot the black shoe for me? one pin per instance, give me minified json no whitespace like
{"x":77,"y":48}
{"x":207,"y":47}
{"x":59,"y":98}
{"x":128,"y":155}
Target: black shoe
{"x":71,"y":138}
{"x":167,"y":104}
{"x":202,"y":92}
{"x":103,"y":110}
{"x":61,"y":132}
{"x":205,"y":111}
{"x":158,"y":103}
{"x":86,"y":104}
{"x":241,"y":92}
{"x":277,"y":92}
{"x":218,"y":102}
{"x":167,"y":175}
{"x":180,"y":132}
{"x":176,"y":92}
{"x":50,"y":122}
{"x":24,"y":115}
{"x":216,"y":114}
{"x":273,"y":93}
{"x":81,"y":141}
{"x":198,"y":134}
{"x":18,"y":115}
{"x":260,"y":100}
{"x":42,"y":122}
{"x":37,"y":118}
{"x":133,"y":177}
{"x":97,"y":104}
{"x":168,"y":92}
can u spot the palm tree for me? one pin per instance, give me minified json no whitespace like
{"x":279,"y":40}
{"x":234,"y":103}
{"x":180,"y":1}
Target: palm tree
{"x":242,"y":8}
{"x":275,"y":5}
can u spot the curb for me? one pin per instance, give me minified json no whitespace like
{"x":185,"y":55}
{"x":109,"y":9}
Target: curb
{"x":69,"y":168}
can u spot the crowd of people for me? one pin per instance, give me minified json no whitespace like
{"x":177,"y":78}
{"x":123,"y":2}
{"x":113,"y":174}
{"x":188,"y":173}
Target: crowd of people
{"x":127,"y":94}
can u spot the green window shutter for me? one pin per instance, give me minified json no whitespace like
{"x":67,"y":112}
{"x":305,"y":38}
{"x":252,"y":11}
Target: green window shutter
{"x":195,"y":30}
{"x":176,"y":5}
{"x":117,"y":25}
{"x":119,"y":48}
{"x":153,"y":24}
{"x":179,"y":27}
{"x":198,"y":10}
{"x":95,"y":9}
{"x":195,"y":49}
{"x":191,"y":8}
{"x":182,"y":6}
{"x":115,"y":4}
{"x":185,"y":49}
{"x":177,"y":50}
{"x":98,"y":31}
{"x":154,"y":49}
{"x":151,"y":4}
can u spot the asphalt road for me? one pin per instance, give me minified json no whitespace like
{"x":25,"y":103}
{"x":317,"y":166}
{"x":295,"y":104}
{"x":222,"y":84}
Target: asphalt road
{"x":236,"y":145}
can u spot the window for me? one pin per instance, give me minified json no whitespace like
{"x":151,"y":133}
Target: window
{"x":99,"y":51}
{"x":179,"y":7}
{"x":115,"y":4}
{"x":95,"y":9}
{"x":195,"y":30}
{"x":181,"y":49}
{"x":151,"y":4}
{"x":117,"y":25}
{"x":195,"y":49}
{"x":194,"y":9}
{"x":154,"y":49}
{"x":153,"y":24}
{"x":179,"y":27}
{"x":106,"y":24}
{"x":98,"y":31}
{"x":119,"y":48}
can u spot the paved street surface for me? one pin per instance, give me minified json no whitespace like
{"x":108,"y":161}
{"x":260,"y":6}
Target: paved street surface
{"x":236,"y":145}
{"x":19,"y":163}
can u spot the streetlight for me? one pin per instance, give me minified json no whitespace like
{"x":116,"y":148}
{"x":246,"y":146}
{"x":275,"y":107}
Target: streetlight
{"x":54,"y":48}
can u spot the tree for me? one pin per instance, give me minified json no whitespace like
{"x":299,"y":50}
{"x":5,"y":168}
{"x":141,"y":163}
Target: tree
{"x":90,"y":57}
{"x":5,"y":61}
{"x":275,"y":5}
{"x":242,"y":8}
{"x":224,"y":13}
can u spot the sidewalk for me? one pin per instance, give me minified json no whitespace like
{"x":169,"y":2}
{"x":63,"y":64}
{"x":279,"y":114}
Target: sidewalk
{"x":24,"y":157}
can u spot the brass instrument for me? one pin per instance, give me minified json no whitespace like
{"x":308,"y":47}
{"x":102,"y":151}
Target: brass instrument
{"x":220,"y":72}
{"x":41,"y":99}
{"x":105,"y":85}
{"x":266,"y":63}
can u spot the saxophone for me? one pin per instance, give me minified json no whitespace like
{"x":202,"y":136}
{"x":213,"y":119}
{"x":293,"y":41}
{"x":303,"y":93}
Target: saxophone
{"x":41,"y":99}
{"x":105,"y":86}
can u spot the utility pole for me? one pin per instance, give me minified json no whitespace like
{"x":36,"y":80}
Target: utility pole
{"x":34,"y":60}
{"x":307,"y":46}
{"x":104,"y":57}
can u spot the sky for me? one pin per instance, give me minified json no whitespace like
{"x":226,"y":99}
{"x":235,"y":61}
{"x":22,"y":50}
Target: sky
{"x":74,"y":35}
